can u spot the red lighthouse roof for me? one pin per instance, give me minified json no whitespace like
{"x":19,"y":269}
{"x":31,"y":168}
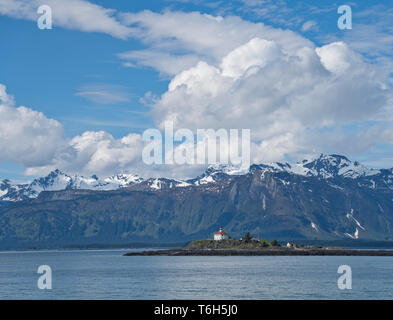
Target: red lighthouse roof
{"x":221,"y":232}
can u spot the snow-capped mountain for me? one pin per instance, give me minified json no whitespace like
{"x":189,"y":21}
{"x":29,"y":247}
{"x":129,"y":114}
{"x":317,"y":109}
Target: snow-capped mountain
{"x":333,"y":166}
{"x":58,"y":180}
{"x":325,"y":166}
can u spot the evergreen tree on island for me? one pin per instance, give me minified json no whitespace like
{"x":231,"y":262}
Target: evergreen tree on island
{"x":247,"y":237}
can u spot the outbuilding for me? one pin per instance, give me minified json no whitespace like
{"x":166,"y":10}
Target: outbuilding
{"x":291,"y":244}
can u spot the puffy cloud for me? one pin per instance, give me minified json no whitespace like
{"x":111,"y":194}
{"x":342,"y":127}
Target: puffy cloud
{"x":273,"y":81}
{"x":29,"y":138}
{"x":100,"y":152}
{"x":281,"y":95}
{"x":6,"y":98}
{"x":276,"y":148}
{"x":96,"y":153}
{"x":71,"y":14}
{"x":256,"y":53}
{"x":337,"y":57}
{"x":189,"y":35}
{"x":26,"y":136}
{"x":202,"y":77}
{"x":249,"y":75}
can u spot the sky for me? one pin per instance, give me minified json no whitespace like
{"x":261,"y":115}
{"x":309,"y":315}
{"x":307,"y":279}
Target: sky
{"x":79,"y":96}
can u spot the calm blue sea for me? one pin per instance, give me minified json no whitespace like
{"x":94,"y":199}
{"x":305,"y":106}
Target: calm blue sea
{"x":106,"y":274}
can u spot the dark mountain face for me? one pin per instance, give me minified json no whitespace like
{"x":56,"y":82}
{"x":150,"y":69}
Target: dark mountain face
{"x":322,"y":201}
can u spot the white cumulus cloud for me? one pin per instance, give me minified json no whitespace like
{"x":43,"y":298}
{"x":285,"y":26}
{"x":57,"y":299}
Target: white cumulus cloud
{"x":280,"y":91}
{"x":26,"y":136}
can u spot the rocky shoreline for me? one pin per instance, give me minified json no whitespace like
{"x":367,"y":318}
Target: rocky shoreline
{"x":263,"y":252}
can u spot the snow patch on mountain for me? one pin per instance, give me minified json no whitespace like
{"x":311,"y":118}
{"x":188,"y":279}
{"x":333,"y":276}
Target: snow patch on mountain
{"x":350,"y":216}
{"x":314,"y":226}
{"x":156,"y":184}
{"x":355,"y":235}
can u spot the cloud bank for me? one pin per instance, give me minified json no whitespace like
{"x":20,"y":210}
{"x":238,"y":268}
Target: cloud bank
{"x":291,"y":94}
{"x":297,"y":98}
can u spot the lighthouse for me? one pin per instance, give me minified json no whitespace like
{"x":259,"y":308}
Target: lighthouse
{"x":220,"y":235}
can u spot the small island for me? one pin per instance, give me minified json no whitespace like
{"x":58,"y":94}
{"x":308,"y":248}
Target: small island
{"x":222,"y":245}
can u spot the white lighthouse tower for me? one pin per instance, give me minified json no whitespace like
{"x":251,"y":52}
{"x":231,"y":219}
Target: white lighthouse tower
{"x":220,"y":235}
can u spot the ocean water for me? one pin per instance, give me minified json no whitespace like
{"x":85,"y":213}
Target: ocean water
{"x":106,"y":274}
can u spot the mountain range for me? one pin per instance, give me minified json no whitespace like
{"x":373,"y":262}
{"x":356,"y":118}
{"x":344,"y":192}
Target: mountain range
{"x":324,"y":167}
{"x":326,"y":198}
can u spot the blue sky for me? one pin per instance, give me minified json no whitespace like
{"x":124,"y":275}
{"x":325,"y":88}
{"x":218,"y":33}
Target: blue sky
{"x":85,"y":78}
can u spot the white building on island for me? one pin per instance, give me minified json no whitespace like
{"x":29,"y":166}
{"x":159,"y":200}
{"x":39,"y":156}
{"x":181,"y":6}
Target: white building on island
{"x":291,"y":244}
{"x":220,"y":235}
